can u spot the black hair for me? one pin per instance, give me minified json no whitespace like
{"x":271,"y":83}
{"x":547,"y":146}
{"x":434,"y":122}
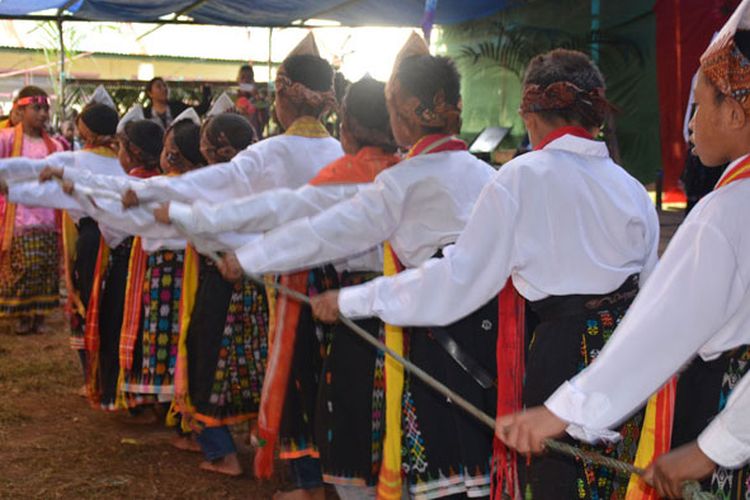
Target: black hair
{"x":31,"y":91}
{"x":247,"y":68}
{"x":148,"y":137}
{"x":100,"y":118}
{"x":311,"y":71}
{"x":236,"y":128}
{"x":187,"y":136}
{"x":562,"y":65}
{"x":364,"y":104}
{"x":151,"y":83}
{"x":425,"y":75}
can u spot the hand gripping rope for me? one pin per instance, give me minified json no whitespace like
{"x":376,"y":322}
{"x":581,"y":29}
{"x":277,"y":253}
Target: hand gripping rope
{"x":690,"y":490}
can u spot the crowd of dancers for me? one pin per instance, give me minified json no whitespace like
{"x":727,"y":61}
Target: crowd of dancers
{"x":535,"y":292}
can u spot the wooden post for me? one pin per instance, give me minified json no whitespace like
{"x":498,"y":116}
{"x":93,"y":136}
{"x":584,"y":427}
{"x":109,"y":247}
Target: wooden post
{"x":61,"y":83}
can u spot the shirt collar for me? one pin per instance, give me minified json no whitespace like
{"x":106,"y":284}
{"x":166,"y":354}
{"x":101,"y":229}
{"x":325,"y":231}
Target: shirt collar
{"x":730,"y":167}
{"x":579,"y":145}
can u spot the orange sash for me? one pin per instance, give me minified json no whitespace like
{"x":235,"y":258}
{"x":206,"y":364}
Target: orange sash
{"x":91,"y":328}
{"x":131,"y":319}
{"x":363,"y":167}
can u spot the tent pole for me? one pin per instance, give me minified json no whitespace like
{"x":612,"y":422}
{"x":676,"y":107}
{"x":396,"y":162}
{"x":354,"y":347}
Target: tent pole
{"x":270,"y":50}
{"x":61,"y":92}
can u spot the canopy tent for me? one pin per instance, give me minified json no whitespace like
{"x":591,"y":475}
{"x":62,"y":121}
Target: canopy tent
{"x":263,"y":12}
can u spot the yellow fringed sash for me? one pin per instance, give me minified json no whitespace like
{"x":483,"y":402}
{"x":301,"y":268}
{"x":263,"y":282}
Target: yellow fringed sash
{"x":181,"y":403}
{"x":389,"y":480}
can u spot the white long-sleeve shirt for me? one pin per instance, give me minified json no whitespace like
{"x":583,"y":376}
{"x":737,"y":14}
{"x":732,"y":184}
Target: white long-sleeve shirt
{"x":260,"y":212}
{"x":108,"y":211}
{"x":697,"y":301}
{"x":264,"y":211}
{"x":726,"y":440}
{"x":50,"y":194}
{"x":419,"y":205}
{"x":560,"y":221}
{"x":282,"y":161}
{"x":19,"y":169}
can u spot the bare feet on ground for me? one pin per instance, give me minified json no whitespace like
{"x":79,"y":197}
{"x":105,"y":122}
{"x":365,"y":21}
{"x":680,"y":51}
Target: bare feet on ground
{"x":228,"y":465}
{"x":185,"y":443}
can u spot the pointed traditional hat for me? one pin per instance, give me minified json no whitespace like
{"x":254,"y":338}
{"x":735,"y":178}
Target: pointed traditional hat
{"x":221,"y":105}
{"x":188,"y":114}
{"x":306,"y":46}
{"x":101,"y":96}
{"x":135,"y":113}
{"x":414,"y":46}
{"x":724,"y":64}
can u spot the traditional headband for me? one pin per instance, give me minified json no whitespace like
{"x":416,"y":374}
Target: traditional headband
{"x":562,"y":95}
{"x":725,"y":66}
{"x":299,"y":94}
{"x":34,"y":99}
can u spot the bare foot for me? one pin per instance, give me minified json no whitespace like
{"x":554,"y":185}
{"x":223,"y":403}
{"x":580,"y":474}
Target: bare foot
{"x":300,"y":494}
{"x":83,"y":392}
{"x":185,"y":443}
{"x":228,"y":465}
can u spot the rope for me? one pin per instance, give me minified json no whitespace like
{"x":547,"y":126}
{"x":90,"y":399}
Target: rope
{"x":691,"y":490}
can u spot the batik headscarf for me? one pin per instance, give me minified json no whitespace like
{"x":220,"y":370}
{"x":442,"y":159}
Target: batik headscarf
{"x":563,"y":95}
{"x":724,"y":64}
{"x":298,"y":93}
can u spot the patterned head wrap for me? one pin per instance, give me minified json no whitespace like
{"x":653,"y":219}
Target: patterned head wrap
{"x":724,"y":64}
{"x":299,"y":94}
{"x":565,"y":95}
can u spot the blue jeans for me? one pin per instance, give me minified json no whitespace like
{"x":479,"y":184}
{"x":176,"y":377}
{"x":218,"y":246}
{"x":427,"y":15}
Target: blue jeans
{"x":306,"y":473}
{"x":216,"y":443}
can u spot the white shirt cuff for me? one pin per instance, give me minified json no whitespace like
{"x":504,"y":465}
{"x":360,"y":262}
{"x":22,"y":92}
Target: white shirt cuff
{"x":356,"y":301}
{"x":182,"y":214}
{"x":576,"y":407}
{"x":13,"y":194}
{"x":721,"y":447}
{"x":252,"y":257}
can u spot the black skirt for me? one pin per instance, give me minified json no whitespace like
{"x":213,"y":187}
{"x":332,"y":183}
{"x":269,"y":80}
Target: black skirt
{"x":84,"y":266}
{"x":347,"y":419}
{"x":227,"y":348}
{"x":110,"y":322}
{"x":446,"y":451}
{"x":298,"y":419}
{"x":571,"y":331}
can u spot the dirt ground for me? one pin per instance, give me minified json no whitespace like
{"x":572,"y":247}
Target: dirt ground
{"x":54,"y":445}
